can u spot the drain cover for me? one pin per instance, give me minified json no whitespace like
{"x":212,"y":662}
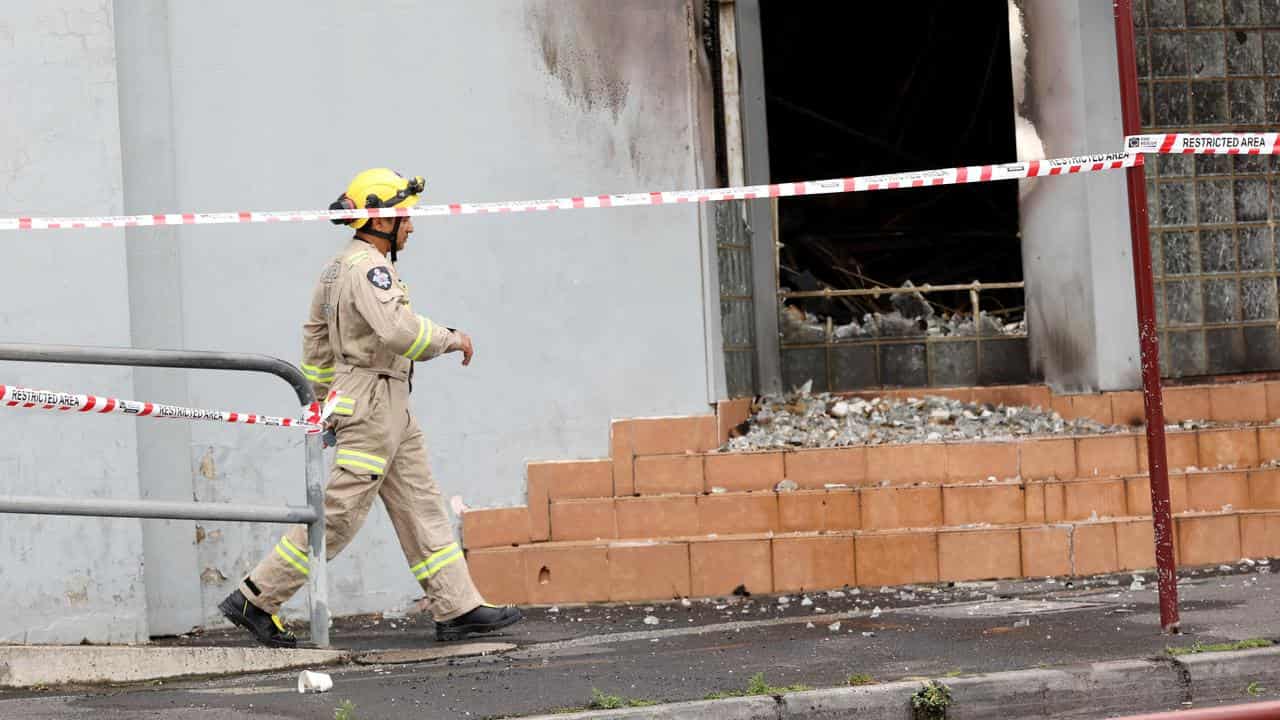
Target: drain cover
{"x":1002,"y":608}
{"x":397,"y":657}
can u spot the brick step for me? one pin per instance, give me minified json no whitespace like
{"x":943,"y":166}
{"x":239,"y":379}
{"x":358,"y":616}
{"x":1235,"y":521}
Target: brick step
{"x":875,"y":466}
{"x":1030,"y":458}
{"x":652,"y":455}
{"x":870,"y":508}
{"x":568,"y":572}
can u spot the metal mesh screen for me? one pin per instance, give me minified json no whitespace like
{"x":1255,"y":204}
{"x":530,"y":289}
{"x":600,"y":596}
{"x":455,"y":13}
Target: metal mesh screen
{"x":737,"y":320}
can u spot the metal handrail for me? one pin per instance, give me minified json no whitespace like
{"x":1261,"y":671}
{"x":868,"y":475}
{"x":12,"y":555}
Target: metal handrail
{"x":922,"y":289}
{"x":154,"y":509}
{"x":312,"y":514}
{"x":138,"y":357}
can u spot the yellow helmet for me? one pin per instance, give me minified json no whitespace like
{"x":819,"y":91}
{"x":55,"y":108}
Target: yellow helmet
{"x":378,"y":187}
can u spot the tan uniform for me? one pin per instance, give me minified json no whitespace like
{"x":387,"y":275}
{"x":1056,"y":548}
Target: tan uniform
{"x":361,"y":339}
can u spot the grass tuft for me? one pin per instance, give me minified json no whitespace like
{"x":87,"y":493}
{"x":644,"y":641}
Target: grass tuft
{"x":1197,"y":647}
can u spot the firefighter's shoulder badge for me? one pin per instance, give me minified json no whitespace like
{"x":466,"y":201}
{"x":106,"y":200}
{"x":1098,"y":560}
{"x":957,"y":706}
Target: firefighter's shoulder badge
{"x":380,"y":277}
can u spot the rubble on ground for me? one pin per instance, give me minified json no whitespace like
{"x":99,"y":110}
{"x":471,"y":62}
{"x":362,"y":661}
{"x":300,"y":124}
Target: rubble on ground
{"x":805,"y":420}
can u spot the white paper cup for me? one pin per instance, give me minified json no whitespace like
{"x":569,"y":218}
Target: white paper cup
{"x":314,"y":682}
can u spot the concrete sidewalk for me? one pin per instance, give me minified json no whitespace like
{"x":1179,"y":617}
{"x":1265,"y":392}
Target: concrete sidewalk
{"x":1083,"y":648}
{"x":26,"y":667}
{"x":29,"y":666}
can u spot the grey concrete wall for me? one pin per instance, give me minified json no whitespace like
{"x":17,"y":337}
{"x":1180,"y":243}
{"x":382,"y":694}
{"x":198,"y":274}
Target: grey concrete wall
{"x":1075,"y":231}
{"x":577,"y":317}
{"x":147,"y":106}
{"x":65,"y":579}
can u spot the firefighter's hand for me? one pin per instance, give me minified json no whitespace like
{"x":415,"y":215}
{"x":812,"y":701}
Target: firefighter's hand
{"x":464,"y":344}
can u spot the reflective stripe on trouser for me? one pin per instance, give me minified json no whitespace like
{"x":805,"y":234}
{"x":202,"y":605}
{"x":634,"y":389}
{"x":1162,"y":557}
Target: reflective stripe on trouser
{"x":361,"y":462}
{"x":436,"y":562}
{"x":413,"y":502}
{"x":293,"y":554}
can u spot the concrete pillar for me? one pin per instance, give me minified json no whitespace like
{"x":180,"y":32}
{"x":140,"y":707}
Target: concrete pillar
{"x":155,"y":307}
{"x":1081,"y":311}
{"x":755,"y":138}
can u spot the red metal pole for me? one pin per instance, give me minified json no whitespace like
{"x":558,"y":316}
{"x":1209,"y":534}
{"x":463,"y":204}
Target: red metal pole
{"x":1148,"y":340}
{"x":1253,"y":711}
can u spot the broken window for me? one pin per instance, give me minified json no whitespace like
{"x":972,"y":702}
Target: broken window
{"x":870,"y":88}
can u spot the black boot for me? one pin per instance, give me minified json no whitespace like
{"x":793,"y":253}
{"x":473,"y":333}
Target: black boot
{"x":484,"y":619}
{"x":266,"y":627}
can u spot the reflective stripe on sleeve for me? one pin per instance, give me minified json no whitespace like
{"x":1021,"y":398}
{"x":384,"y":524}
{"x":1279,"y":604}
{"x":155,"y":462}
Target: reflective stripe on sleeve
{"x":423,"y":341}
{"x":318,"y":374}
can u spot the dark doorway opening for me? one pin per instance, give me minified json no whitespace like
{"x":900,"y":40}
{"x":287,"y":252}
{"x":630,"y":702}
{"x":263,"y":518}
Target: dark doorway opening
{"x":869,"y":88}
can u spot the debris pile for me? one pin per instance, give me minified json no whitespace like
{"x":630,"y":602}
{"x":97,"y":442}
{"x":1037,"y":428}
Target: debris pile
{"x":804,"y":327}
{"x":912,"y":316}
{"x":805,"y":420}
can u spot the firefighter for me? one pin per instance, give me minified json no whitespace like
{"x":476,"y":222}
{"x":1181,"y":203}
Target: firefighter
{"x":362,"y":339}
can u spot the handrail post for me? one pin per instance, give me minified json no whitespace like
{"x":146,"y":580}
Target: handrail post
{"x":319,"y":590}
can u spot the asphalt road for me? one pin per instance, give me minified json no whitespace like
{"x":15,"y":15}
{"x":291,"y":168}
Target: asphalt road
{"x":566,"y":653}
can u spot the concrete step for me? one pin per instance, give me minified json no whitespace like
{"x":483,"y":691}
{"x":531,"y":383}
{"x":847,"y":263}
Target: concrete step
{"x":45,"y":665}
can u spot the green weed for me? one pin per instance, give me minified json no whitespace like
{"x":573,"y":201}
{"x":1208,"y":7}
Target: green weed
{"x":861,"y":679}
{"x":930,"y":702}
{"x":758,"y":686}
{"x":345,"y":711}
{"x":1198,"y":647}
{"x":603,"y":701}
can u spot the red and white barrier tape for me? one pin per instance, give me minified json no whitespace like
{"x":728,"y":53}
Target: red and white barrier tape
{"x":1135,"y":147}
{"x":1205,"y":143}
{"x":20,"y":397}
{"x":923,"y":178}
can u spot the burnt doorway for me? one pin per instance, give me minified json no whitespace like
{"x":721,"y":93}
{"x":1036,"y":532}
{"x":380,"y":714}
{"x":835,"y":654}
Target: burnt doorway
{"x":871,"y":88}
